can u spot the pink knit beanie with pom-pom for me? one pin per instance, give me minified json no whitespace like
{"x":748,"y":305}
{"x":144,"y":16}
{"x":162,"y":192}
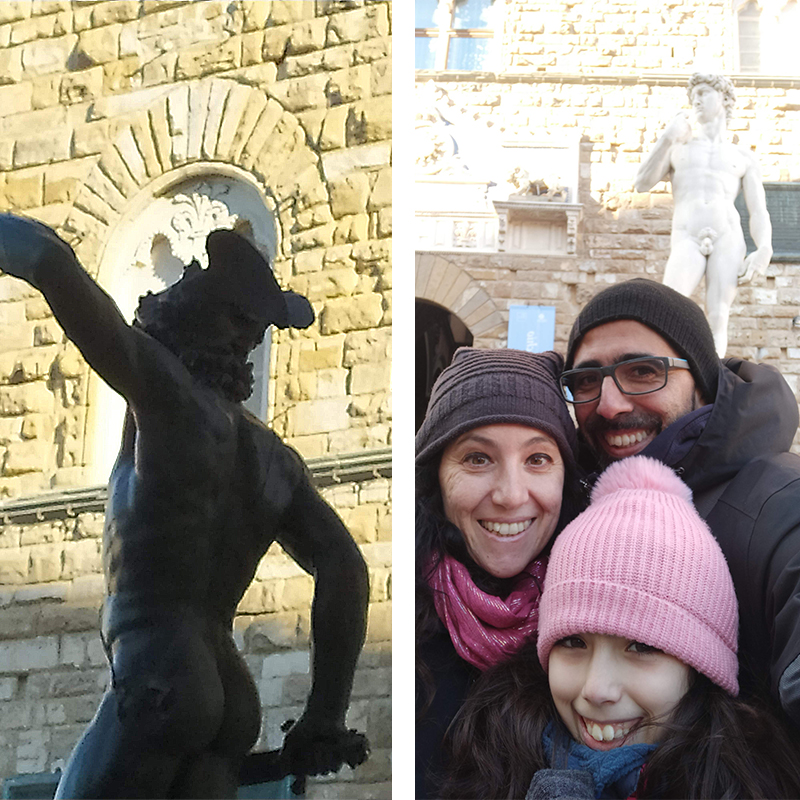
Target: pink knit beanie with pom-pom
{"x":640,"y":563}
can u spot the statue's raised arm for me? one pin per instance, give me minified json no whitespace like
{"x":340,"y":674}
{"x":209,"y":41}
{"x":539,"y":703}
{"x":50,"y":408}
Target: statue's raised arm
{"x":658,"y":165}
{"x":33,"y":252}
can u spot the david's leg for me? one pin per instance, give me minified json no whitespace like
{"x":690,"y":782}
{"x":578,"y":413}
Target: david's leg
{"x":721,"y":286}
{"x":685,"y":266}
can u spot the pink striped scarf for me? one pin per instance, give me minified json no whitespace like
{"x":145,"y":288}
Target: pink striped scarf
{"x":485,"y":629}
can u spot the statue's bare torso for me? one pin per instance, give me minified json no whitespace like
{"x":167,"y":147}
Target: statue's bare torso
{"x":706,"y":178}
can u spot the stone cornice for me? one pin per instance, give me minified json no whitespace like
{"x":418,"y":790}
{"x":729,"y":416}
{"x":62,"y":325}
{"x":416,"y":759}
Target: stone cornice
{"x":325,"y":471}
{"x":611,"y":78}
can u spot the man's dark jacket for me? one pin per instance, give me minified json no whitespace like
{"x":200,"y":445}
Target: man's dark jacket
{"x":747,"y":487}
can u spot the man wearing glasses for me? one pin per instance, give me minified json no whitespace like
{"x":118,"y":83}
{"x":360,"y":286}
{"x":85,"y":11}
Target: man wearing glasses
{"x":643,"y":377}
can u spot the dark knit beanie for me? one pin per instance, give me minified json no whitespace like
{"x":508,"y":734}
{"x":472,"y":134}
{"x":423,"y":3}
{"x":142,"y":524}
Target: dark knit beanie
{"x":486,"y":387}
{"x":671,"y":315}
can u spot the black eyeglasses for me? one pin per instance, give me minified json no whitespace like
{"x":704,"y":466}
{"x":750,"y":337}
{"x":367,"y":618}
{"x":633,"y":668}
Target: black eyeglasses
{"x":635,"y":376}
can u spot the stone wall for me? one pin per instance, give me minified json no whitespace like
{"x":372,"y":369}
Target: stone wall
{"x":103,"y":106}
{"x":613,"y":79}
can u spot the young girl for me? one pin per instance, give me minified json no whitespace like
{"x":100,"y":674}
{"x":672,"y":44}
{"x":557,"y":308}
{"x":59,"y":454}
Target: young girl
{"x":634,"y":690}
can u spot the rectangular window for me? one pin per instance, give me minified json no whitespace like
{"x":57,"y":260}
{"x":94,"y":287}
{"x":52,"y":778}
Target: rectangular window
{"x":453,"y":34}
{"x":749,"y":38}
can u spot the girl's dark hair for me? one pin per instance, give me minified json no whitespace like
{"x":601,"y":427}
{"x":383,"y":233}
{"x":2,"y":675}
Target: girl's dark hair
{"x":715,"y":746}
{"x":435,"y":536}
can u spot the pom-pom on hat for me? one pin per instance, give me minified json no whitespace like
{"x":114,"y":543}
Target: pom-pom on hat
{"x":640,"y":563}
{"x":487,"y":387}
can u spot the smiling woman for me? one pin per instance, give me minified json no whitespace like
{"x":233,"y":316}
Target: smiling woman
{"x":496,"y":479}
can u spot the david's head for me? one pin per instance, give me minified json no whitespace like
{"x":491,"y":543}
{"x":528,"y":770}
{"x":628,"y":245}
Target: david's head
{"x":213,"y":318}
{"x":710,"y":94}
{"x":640,"y":357}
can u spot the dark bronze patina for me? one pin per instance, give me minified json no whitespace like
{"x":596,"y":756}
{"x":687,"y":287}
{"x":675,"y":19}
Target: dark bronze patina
{"x":199,"y":491}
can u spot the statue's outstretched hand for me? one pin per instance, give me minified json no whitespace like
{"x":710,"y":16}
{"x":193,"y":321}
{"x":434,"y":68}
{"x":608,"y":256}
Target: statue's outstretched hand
{"x":314,"y":747}
{"x":25,"y":244}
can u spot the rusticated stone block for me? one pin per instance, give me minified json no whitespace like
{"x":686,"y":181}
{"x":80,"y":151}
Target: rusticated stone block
{"x":198,"y":61}
{"x":317,"y":416}
{"x":349,"y":194}
{"x":366,"y":378}
{"x":341,"y":315}
{"x":358,"y":25}
{"x":14,"y":10}
{"x":284,"y":11}
{"x":29,"y":654}
{"x":307,"y":36}
{"x":42,"y":148}
{"x":13,"y":566}
{"x":332,"y":283}
{"x":26,"y":456}
{"x":45,"y":56}
{"x":25,"y":398}
{"x":370,"y":121}
{"x":381,"y":194}
{"x":379,"y":626}
{"x":361,"y":347}
{"x":100,"y":45}
{"x":16,"y":98}
{"x":114,"y":11}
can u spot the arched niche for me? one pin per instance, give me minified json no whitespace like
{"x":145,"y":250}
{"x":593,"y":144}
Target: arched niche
{"x":165,"y":228}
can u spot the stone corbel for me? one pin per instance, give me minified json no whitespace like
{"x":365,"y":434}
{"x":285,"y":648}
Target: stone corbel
{"x":502,"y":227}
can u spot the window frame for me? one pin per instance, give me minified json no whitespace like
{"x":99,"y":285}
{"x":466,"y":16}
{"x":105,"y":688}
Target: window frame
{"x":444,"y":34}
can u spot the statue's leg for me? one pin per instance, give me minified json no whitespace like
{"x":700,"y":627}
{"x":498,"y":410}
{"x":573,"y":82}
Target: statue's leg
{"x":208,"y":775}
{"x":685,"y":265}
{"x":721,"y":286}
{"x":165,"y":706}
{"x":109,"y":761}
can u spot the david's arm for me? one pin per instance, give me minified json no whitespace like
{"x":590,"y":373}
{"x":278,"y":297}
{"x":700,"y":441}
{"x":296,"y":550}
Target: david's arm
{"x":658,"y":165}
{"x":760,"y":225}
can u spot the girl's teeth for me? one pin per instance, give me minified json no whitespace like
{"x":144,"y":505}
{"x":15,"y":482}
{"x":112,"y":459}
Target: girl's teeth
{"x":507,"y":528}
{"x":605,"y":734}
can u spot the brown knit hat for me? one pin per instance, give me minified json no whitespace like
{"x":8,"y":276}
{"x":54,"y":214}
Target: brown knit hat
{"x":676,"y":318}
{"x":485,"y":387}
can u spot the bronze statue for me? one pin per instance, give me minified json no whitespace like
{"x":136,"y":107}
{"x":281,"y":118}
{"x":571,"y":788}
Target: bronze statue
{"x":199,"y":491}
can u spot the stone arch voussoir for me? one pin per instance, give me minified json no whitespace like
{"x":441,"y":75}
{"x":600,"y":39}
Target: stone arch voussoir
{"x":207,"y":122}
{"x":441,"y":281}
